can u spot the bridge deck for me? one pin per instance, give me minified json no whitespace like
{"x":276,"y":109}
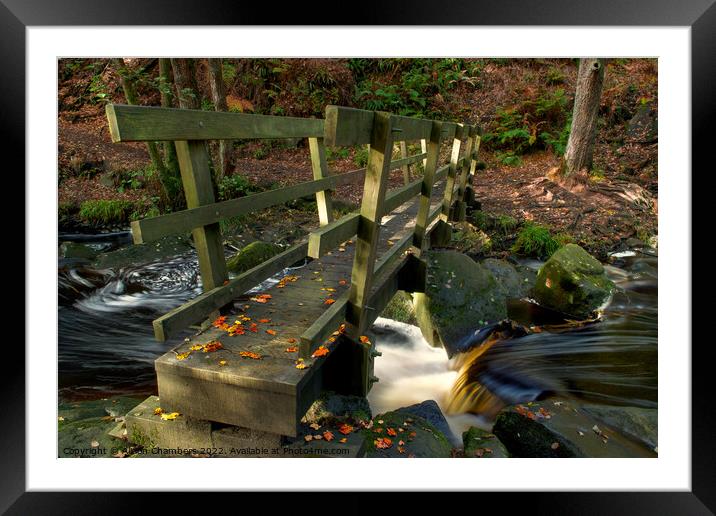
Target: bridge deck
{"x":226,"y":387}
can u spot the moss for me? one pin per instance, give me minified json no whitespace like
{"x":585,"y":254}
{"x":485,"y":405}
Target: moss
{"x":252,"y":255}
{"x":400,"y":308}
{"x":535,"y":240}
{"x":106,"y":211}
{"x":428,"y":441}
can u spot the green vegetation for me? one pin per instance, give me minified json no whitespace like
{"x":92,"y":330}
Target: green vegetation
{"x":505,"y":223}
{"x":234,"y":186}
{"x":400,"y":308}
{"x":535,"y":240}
{"x":360,"y":158}
{"x":252,"y":255}
{"x":105,"y":211}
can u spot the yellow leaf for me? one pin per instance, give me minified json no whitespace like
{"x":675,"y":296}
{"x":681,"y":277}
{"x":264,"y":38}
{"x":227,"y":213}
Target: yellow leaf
{"x":171,"y":416}
{"x":222,"y":362}
{"x":183,"y":356}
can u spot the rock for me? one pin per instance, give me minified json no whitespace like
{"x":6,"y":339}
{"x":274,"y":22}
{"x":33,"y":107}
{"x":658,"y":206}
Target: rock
{"x":330,"y":407}
{"x":430,"y":411}
{"x":573,"y":282}
{"x":462,"y":295}
{"x":400,"y":308}
{"x":560,"y":428}
{"x":73,"y":250}
{"x":643,"y":125}
{"x":481,"y":444}
{"x":252,"y":255}
{"x":515,"y":282}
{"x":470,"y":240}
{"x":639,"y":423}
{"x":140,"y":254}
{"x":420,"y":437}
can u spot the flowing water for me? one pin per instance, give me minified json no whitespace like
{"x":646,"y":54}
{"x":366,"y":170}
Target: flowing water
{"x":106,"y":344}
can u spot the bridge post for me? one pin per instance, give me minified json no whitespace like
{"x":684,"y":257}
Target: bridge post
{"x":374,"y":189}
{"x":431,"y":165}
{"x":406,"y":167}
{"x":468,"y":167}
{"x":320,"y":171}
{"x":452,"y":173}
{"x":199,"y":190}
{"x":468,"y":192}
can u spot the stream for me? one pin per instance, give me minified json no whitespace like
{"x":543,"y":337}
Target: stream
{"x":106,"y":345}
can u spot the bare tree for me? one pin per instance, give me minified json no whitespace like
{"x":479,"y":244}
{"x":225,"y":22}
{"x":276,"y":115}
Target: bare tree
{"x":218,"y":94}
{"x":578,"y":155}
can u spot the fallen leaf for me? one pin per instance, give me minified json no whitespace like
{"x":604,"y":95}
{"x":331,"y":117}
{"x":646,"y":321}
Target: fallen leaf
{"x":261,"y":298}
{"x":291,"y":340}
{"x":158,"y":411}
{"x":171,"y":416}
{"x":196,"y":347}
{"x":318,"y":437}
{"x":292,"y":349}
{"x":254,"y":328}
{"x":383,"y":443}
{"x":342,"y":282}
{"x":343,"y":440}
{"x":329,"y":301}
{"x":315,"y":426}
{"x":250,"y":354}
{"x":300,"y":364}
{"x":183,"y":356}
{"x":401,"y":443}
{"x":364,"y":340}
{"x":378,"y":430}
{"x":308,"y":438}
{"x":60,"y":418}
{"x":328,"y":435}
{"x":94,"y":444}
{"x":264,"y":320}
{"x":345,"y":429}
{"x":320,"y":352}
{"x":401,"y":449}
{"x":214,"y":345}
{"x":391,"y":431}
{"x":222,"y":362}
{"x":554,"y":445}
{"x":271,"y":332}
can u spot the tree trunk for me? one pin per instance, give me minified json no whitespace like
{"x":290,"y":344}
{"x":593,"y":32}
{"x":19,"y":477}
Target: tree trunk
{"x":185,"y":82}
{"x":580,"y":146}
{"x":130,"y":94}
{"x":171,"y":181}
{"x":218,"y":94}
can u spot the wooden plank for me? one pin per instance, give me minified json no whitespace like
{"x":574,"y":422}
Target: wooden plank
{"x":408,"y":161}
{"x":202,"y":305}
{"x":150,"y":229}
{"x":348,"y":126}
{"x":320,"y":171}
{"x":452,"y":172}
{"x":374,"y":190}
{"x":148,"y":123}
{"x":401,"y":195}
{"x":466,"y":164}
{"x":405,"y":167}
{"x":329,"y":236}
{"x":421,"y":221}
{"x":199,"y":190}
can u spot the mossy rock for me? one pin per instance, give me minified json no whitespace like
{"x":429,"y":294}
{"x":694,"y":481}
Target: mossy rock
{"x":462,"y":296}
{"x":252,"y":255}
{"x":573,"y":282}
{"x":479,"y":443}
{"x":331,"y":407}
{"x":420,"y":437}
{"x":400,"y":308}
{"x":469,"y":239}
{"x":77,"y":251}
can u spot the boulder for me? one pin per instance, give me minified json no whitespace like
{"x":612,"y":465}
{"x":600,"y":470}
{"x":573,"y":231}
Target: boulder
{"x":252,"y":255}
{"x":461,"y":295}
{"x":141,"y":254}
{"x":430,"y":412}
{"x":573,"y":282}
{"x":331,"y":407}
{"x":515,"y":282}
{"x":76,"y":251}
{"x":561,"y":428}
{"x":643,"y":126}
{"x":479,"y":443}
{"x":639,"y":423}
{"x":420,"y":437}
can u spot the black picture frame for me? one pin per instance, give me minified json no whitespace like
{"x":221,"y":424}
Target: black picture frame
{"x":699,"y":15}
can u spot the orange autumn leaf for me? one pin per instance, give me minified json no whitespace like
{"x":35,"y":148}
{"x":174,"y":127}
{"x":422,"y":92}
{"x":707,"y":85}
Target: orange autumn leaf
{"x":212,"y":346}
{"x":329,"y":301}
{"x":254,"y":328}
{"x":392,"y":431}
{"x":264,"y":320}
{"x":291,"y":340}
{"x":219,"y":321}
{"x":271,"y":332}
{"x":401,"y":449}
{"x":292,"y":349}
{"x":343,"y":440}
{"x":261,"y":298}
{"x":320,"y":352}
{"x":345,"y":429}
{"x":383,"y":443}
{"x":343,"y":282}
{"x":327,"y":435}
{"x":250,"y":354}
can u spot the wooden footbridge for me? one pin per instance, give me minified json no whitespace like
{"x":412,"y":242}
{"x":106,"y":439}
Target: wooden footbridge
{"x":280,"y":348}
